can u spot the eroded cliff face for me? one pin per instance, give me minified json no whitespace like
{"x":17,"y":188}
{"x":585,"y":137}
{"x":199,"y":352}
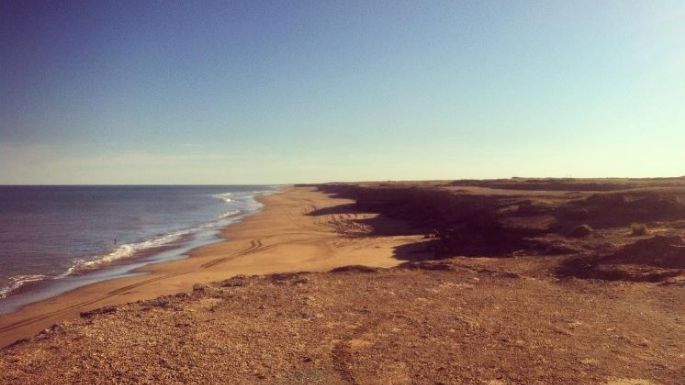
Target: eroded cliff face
{"x":591,"y":220}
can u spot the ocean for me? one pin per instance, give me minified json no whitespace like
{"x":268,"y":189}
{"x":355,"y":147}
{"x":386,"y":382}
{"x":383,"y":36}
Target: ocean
{"x":57,"y":238}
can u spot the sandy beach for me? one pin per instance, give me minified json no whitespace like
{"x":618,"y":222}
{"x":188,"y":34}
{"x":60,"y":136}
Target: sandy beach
{"x":491,"y":284}
{"x":299,"y":229}
{"x":342,"y":193}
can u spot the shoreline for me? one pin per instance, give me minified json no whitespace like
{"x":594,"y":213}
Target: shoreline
{"x":282,"y":237}
{"x":160,"y":248}
{"x":477,"y":308}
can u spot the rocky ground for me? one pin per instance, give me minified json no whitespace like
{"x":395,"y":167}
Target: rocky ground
{"x":455,"y":321}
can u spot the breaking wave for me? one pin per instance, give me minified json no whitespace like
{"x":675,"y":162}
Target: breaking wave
{"x":20,"y":280}
{"x":82,"y":265}
{"x":226,"y":197}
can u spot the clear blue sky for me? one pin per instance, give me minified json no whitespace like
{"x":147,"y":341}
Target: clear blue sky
{"x":281,"y":92}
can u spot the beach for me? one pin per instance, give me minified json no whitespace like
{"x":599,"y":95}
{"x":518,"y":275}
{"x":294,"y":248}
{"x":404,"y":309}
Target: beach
{"x":293,"y":232}
{"x":342,"y":193}
{"x":452,"y":282}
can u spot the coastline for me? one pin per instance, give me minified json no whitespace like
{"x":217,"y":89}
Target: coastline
{"x":115,"y":243}
{"x":293,"y":231}
{"x":295,"y":317}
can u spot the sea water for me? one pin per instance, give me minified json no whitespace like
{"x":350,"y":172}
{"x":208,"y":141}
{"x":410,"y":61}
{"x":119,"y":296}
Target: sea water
{"x":56,"y":238}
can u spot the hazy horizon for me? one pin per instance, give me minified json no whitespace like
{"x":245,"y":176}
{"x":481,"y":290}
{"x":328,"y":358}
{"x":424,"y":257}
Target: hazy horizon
{"x":267,"y":93}
{"x":322,"y":182}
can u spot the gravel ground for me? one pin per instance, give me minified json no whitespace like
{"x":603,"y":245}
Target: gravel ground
{"x":458,"y":321}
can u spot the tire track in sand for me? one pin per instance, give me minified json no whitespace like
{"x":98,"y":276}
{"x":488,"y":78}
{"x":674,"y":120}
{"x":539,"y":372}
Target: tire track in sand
{"x":255,"y":245}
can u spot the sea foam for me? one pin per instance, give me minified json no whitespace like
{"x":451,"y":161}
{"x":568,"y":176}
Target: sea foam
{"x":129,"y":250}
{"x":20,"y":280}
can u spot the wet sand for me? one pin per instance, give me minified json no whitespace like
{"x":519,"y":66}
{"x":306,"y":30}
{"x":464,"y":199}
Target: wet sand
{"x":299,"y":229}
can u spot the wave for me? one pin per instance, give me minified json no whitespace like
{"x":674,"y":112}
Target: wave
{"x":129,"y":250}
{"x":226,"y":197}
{"x":122,"y":252}
{"x":20,"y":280}
{"x":132,"y":249}
{"x":231,"y":213}
{"x":126,"y":251}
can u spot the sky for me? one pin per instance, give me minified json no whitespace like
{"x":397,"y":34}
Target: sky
{"x":231,"y":92}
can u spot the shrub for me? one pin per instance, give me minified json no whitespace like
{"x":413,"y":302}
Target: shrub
{"x":581,"y":231}
{"x":638,"y":229}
